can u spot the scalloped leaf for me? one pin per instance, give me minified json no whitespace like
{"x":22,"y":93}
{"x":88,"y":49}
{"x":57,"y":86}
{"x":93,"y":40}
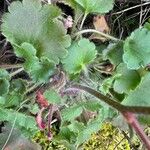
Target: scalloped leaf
{"x":70,"y":3}
{"x":16,"y":93}
{"x":4,"y":82}
{"x":43,"y":71}
{"x":107,"y":84}
{"x":39,"y":69}
{"x":96,"y":6}
{"x":76,"y":126}
{"x":137,"y":49}
{"x":38,"y":25}
{"x":94,"y":125}
{"x":66,"y":135}
{"x":28,"y":52}
{"x":22,"y":120}
{"x":114,"y":53}
{"x":127,"y":79}
{"x":80,"y":54}
{"x":139,"y":96}
{"x":52,"y":96}
{"x":71,"y":113}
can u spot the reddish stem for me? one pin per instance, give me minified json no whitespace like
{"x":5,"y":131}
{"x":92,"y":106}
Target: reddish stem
{"x":41,"y":99}
{"x":133,"y":122}
{"x":127,"y":111}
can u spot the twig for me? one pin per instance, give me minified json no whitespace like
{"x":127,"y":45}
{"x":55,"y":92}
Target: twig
{"x":12,"y":128}
{"x":122,"y":11}
{"x":10,"y":133}
{"x":119,"y":143}
{"x":129,"y":140}
{"x":16,"y":72}
{"x":4,"y":66}
{"x":144,"y":19}
{"x":8,"y":3}
{"x":141,"y":15}
{"x":98,"y":32}
{"x":82,"y":22}
{"x":32,"y":88}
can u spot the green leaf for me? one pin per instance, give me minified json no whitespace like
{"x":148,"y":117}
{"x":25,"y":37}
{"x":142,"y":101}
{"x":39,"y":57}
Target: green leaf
{"x":70,"y":3}
{"x":52,"y":96}
{"x":28,"y":52}
{"x":139,"y":96}
{"x":33,"y":23}
{"x":127,"y":79}
{"x":114,"y":53}
{"x":66,"y":134}
{"x":80,"y":53}
{"x":137,"y":49}
{"x":18,"y":85}
{"x":107,"y":84}
{"x":71,"y":113}
{"x":39,"y":69}
{"x":92,"y":127}
{"x":147,"y":25}
{"x":2,"y":100}
{"x":92,"y":105}
{"x":43,"y":71}
{"x":34,"y":109}
{"x":96,"y":6}
{"x":4,"y":74}
{"x":13,"y":99}
{"x":4,"y":86}
{"x":78,"y":10}
{"x":22,"y":120}
{"x":4,"y":82}
{"x":16,"y":93}
{"x":76,"y":127}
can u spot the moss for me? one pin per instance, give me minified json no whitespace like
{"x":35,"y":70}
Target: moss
{"x":45,"y":143}
{"x":109,"y":137}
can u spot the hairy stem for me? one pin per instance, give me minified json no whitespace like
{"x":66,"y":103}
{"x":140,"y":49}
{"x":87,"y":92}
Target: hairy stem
{"x":82,"y":22}
{"x":113,"y":103}
{"x":127,"y":112}
{"x":98,"y":32}
{"x":133,"y":122}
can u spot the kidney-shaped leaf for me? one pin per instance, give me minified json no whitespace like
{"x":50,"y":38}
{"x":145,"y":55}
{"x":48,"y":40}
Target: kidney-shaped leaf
{"x":137,"y":49}
{"x":31,"y":22}
{"x":140,"y":96}
{"x":39,"y":69}
{"x":96,"y":6}
{"x":79,"y":55}
{"x":127,"y":79}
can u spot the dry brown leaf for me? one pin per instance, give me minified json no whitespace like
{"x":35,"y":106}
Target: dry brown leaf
{"x":101,"y":25}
